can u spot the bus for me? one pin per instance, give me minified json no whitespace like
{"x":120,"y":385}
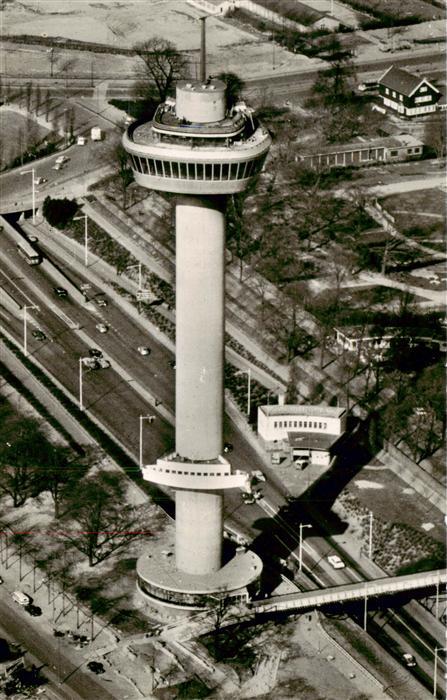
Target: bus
{"x":28,"y":252}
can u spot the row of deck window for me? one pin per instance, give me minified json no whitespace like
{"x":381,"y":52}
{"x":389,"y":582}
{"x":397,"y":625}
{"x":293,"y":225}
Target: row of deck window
{"x":300,"y":424}
{"x":197,"y":171}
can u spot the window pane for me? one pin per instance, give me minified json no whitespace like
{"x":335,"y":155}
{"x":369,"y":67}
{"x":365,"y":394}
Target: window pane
{"x":225,"y":171}
{"x":208,"y":171}
{"x":200,"y":171}
{"x":191,"y":171}
{"x":233,"y":174}
{"x":158,"y":168}
{"x":144,"y":165}
{"x":183,"y":171}
{"x":174,"y":168}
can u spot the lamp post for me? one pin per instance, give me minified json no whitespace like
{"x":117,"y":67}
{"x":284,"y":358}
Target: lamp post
{"x":370,"y":542}
{"x":25,"y":328}
{"x":300,"y":547}
{"x":25,"y":172}
{"x":248,"y":372}
{"x":81,"y":403}
{"x":79,"y":218}
{"x":151,"y":420}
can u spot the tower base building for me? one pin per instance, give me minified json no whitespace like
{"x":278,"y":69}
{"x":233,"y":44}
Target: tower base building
{"x":198,"y":149}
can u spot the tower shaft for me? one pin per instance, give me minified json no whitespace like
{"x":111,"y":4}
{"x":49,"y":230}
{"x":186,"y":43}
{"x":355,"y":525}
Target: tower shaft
{"x":200,"y":284}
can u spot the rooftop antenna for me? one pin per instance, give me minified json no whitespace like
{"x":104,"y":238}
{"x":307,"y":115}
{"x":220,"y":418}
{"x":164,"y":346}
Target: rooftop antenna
{"x":203,"y":49}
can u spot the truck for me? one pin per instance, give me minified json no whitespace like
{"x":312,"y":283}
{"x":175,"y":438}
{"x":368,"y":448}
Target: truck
{"x":96,"y":134}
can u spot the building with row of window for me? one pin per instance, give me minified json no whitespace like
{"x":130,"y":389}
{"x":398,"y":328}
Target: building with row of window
{"x":369,"y":341}
{"x":408,"y":94}
{"x":364,"y":152}
{"x":303,"y":432}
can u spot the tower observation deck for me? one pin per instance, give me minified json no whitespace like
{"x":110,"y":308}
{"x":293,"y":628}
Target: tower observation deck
{"x":201,"y":151}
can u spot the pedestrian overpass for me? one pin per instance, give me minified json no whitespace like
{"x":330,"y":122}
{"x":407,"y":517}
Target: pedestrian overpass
{"x":351,"y":591}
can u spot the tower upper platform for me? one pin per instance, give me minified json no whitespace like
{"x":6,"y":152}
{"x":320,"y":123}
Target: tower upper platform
{"x":194,"y":145}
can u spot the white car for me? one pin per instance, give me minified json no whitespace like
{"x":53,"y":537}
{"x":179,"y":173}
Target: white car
{"x":21,"y":598}
{"x":102,"y":328}
{"x":257,"y":474}
{"x":335,"y":561}
{"x":61,"y":159}
{"x":144,"y":350}
{"x":409,"y":659}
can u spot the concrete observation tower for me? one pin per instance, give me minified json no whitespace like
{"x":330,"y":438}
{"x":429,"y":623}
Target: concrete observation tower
{"x":201,"y":151}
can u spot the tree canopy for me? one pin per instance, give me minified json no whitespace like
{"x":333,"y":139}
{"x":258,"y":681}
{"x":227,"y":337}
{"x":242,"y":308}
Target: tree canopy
{"x":163,"y":65}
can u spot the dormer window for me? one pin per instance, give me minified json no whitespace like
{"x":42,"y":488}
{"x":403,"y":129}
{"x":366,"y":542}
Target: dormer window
{"x":423,"y":88}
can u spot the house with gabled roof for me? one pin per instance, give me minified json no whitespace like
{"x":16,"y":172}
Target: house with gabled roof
{"x":407,"y":94}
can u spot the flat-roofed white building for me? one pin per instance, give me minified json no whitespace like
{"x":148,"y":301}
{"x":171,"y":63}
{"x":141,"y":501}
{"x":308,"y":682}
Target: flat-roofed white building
{"x":303,"y":431}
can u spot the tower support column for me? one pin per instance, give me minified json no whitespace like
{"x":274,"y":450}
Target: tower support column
{"x":200,"y":288}
{"x":198,"y":531}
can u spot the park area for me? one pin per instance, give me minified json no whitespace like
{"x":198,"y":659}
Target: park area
{"x":420,"y":216}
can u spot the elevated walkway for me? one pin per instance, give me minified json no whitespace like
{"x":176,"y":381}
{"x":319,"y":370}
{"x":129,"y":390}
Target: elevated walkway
{"x":351,"y":591}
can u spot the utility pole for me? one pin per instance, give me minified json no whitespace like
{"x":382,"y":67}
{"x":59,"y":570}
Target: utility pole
{"x":365,"y":608}
{"x":300,"y":547}
{"x":370,"y":545}
{"x":151,"y":420}
{"x":203,"y":49}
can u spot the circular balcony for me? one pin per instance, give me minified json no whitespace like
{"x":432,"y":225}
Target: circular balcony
{"x":208,"y":162}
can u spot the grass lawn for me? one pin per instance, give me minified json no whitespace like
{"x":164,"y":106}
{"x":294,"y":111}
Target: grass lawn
{"x":420,"y":215}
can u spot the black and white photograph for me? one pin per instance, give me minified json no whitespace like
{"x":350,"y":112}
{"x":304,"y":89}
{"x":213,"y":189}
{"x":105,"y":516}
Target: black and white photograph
{"x":223,"y":338}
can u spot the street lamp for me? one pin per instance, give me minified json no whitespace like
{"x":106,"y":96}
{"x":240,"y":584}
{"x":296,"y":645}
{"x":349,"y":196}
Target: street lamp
{"x":435,"y":669}
{"x":81,"y":404}
{"x":370,"y":544}
{"x":248,"y":372}
{"x":25,"y":329}
{"x":79,"y":218}
{"x":25,"y":172}
{"x":300,"y":548}
{"x":151,"y":420}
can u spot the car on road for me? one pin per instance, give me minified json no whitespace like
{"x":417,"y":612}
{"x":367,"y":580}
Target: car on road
{"x":95,"y":352}
{"x":101,"y":301}
{"x":40,"y":180}
{"x":61,"y":159}
{"x":61,"y":292}
{"x":1,"y":580}
{"x":38,"y":334}
{"x":172,"y":363}
{"x":144,"y":350}
{"x":21,"y":598}
{"x":102,"y":328}
{"x":227,"y":447}
{"x":409,"y":660}
{"x":335,"y":561}
{"x":258,"y":475}
{"x":96,"y":667}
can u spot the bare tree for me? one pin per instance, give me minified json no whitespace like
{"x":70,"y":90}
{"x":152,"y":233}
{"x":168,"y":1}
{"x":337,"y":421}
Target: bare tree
{"x":163,"y":66}
{"x":97,"y":505}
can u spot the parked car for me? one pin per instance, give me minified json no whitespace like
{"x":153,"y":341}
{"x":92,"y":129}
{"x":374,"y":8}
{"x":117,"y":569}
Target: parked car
{"x":61,"y":159}
{"x":102,"y":328}
{"x":144,"y":350}
{"x":33,"y":610}
{"x":172,"y":363}
{"x":40,"y":180}
{"x":100,"y":301}
{"x":227,"y":447}
{"x":258,"y":475}
{"x":94,"y":352}
{"x":61,"y":292}
{"x":38,"y":334}
{"x":21,"y":598}
{"x":335,"y":561}
{"x":96,"y":667}
{"x":409,"y":660}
